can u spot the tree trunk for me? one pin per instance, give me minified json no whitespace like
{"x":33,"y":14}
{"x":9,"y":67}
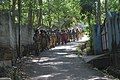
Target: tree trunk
{"x":33,"y":16}
{"x":13,"y":10}
{"x":49,"y":18}
{"x":106,"y":7}
{"x":40,"y":14}
{"x":90,"y":32}
{"x":59,"y":20}
{"x":9,"y":4}
{"x":30,"y":22}
{"x":19,"y":30}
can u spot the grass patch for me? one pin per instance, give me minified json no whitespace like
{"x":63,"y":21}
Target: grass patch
{"x":83,"y":48}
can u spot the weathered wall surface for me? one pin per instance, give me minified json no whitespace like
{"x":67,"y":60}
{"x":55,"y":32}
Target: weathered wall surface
{"x":26,"y":35}
{"x":9,"y":35}
{"x":6,"y":36}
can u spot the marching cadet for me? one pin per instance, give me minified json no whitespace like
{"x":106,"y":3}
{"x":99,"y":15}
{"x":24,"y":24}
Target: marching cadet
{"x":57,"y":32}
{"x":53,"y":37}
{"x":63,"y":37}
{"x":48,"y":40}
{"x":81,"y":34}
{"x":50,"y":37}
{"x":43,"y":40}
{"x":73,"y":34}
{"x":37,"y":42}
{"x":77,"y":34}
{"x":68,"y":38}
{"x":70,"y":35}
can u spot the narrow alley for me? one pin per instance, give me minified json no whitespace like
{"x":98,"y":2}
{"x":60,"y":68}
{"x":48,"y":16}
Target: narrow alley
{"x":61,"y":63}
{"x":59,"y":39}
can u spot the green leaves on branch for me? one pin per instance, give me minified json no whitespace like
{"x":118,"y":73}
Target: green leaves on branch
{"x":57,"y":12}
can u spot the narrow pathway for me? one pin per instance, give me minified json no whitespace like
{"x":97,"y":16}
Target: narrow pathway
{"x":61,"y":63}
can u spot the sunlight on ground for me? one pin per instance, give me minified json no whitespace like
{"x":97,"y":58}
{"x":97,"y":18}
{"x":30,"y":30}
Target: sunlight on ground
{"x":61,"y":53}
{"x":34,"y":60}
{"x":42,"y":76}
{"x":62,"y":47}
{"x":68,"y":48}
{"x":71,"y":56}
{"x":99,"y":78}
{"x":45,"y":76}
{"x":35,"y":71}
{"x":85,"y":38}
{"x":53,"y":63}
{"x":42,"y":59}
{"x":72,"y":46}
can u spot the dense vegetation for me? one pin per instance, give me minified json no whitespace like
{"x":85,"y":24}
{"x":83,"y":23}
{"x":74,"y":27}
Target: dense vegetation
{"x":57,"y":13}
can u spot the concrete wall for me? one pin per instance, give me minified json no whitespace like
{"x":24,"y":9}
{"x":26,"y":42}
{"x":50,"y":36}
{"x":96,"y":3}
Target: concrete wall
{"x":9,"y":34}
{"x":6,"y":38}
{"x":26,"y":36}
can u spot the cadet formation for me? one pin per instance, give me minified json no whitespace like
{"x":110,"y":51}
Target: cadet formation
{"x":46,"y":39}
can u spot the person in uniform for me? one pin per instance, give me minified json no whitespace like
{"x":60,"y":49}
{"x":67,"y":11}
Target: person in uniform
{"x":53,"y":37}
{"x":57,"y":37}
{"x":73,"y":34}
{"x":48,"y":40}
{"x":77,"y":34}
{"x":37,"y":42}
{"x":70,"y":35}
{"x":43,"y":40}
{"x":50,"y":35}
{"x":63,"y":37}
{"x":81,"y":34}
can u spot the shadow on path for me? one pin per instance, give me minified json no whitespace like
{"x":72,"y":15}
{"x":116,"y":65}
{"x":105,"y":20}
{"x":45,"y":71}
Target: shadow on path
{"x":60,"y":63}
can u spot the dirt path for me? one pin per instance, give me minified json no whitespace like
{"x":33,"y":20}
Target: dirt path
{"x":61,"y":63}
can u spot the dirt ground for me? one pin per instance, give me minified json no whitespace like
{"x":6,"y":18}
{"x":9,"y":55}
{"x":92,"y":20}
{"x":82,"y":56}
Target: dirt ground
{"x":60,"y":63}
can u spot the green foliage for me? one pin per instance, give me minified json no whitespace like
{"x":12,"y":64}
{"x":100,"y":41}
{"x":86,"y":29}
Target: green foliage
{"x":114,"y":5}
{"x":58,"y":12}
{"x":87,"y":6}
{"x":85,"y":51}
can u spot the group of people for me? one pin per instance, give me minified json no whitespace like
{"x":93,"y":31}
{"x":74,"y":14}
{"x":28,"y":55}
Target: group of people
{"x":46,"y":39}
